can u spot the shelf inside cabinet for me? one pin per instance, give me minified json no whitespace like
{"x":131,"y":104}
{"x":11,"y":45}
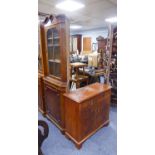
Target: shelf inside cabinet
{"x":54,"y":60}
{"x":53,"y":38}
{"x":53,"y":45}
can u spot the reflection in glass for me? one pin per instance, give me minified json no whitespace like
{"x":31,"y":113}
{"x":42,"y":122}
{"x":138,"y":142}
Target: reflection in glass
{"x":39,"y":52}
{"x":53,"y":52}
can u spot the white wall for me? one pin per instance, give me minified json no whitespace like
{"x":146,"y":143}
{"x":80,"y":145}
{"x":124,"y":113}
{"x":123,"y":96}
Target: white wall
{"x":93,"y":34}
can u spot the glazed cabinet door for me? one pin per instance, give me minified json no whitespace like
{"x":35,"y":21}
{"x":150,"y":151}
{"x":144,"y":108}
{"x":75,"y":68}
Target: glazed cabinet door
{"x":52,"y":100}
{"x":40,"y":67}
{"x":39,"y":96}
{"x":87,"y":118}
{"x":53,"y":51}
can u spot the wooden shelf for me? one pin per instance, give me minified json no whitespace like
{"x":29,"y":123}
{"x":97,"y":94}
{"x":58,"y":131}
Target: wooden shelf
{"x":54,"y":60}
{"x":53,"y":38}
{"x":53,"y":45}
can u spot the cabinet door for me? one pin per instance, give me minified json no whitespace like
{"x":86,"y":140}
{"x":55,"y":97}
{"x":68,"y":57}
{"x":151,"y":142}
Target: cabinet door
{"x":102,"y":108}
{"x":39,"y":95}
{"x":99,"y":110}
{"x":52,"y":99}
{"x":106,"y":105}
{"x":39,"y":52}
{"x":54,"y":52}
{"x":87,"y":44}
{"x":87,"y":120}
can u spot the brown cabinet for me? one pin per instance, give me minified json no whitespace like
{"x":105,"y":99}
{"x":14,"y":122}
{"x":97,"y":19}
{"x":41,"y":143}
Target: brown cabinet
{"x":87,"y":41}
{"x":53,"y":103}
{"x":55,"y":30}
{"x":86,"y":111}
{"x":41,"y":104}
{"x":76,"y":41}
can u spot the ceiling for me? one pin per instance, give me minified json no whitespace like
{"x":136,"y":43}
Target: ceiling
{"x":92,"y":16}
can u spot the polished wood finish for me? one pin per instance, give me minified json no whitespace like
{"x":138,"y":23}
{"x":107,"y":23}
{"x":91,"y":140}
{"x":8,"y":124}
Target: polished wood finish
{"x":54,"y":91}
{"x":86,"y":111}
{"x":55,"y":84}
{"x":101,"y":42}
{"x":41,"y":71}
{"x":41,"y":102}
{"x":86,"y":43}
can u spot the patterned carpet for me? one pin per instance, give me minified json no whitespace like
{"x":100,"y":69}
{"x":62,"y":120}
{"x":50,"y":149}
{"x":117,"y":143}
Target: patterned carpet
{"x":103,"y":142}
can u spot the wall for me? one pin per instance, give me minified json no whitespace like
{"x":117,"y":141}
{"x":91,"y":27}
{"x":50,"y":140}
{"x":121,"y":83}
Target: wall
{"x":93,"y":34}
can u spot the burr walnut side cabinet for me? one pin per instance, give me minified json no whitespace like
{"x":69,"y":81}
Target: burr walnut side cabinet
{"x":86,"y":111}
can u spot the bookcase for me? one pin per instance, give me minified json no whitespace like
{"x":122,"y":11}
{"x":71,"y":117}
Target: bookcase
{"x":41,"y":103}
{"x":56,"y":56}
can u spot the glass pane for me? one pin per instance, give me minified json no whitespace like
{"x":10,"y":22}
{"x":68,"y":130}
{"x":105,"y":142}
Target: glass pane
{"x":51,"y":67}
{"x":39,"y":52}
{"x":54,"y":68}
{"x":39,"y":59}
{"x":50,"y":53}
{"x":56,"y":42}
{"x":57,"y":52}
{"x":55,"y":33}
{"x":57,"y":69}
{"x":53,"y":52}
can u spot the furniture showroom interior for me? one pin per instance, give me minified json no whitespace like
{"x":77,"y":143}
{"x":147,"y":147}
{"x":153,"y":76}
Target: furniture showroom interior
{"x":77,"y":77}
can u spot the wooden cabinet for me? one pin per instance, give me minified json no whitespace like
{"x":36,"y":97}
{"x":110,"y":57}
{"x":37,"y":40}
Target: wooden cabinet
{"x":56,"y":39}
{"x":76,"y":41}
{"x":87,"y":43}
{"x":56,"y":51}
{"x":86,"y":111}
{"x":41,"y":104}
{"x":54,"y":104}
{"x":101,"y":41}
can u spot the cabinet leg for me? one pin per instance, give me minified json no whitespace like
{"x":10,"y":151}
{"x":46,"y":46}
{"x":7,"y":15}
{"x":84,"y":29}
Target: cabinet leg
{"x":44,"y":114}
{"x":62,"y":132}
{"x":67,"y":137}
{"x":78,"y":146}
{"x":107,"y":124}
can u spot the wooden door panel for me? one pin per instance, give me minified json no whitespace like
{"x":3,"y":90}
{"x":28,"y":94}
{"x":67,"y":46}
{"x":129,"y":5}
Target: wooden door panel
{"x":39,"y":96}
{"x":87,"y":44}
{"x":52,"y":99}
{"x":87,"y":118}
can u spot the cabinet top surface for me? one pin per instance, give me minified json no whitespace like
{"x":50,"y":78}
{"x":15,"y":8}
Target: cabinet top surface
{"x":87,"y":92}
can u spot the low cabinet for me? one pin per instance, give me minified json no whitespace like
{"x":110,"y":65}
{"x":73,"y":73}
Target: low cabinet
{"x":86,"y":111}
